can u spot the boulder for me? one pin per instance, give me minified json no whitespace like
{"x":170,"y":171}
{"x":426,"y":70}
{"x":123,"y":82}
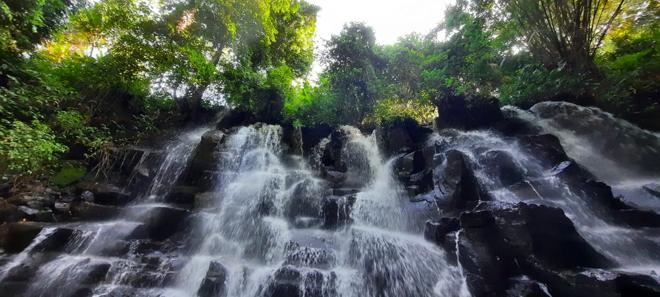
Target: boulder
{"x":161,"y":222}
{"x":471,"y":112}
{"x":336,"y":210}
{"x":10,"y":212}
{"x":184,"y":195}
{"x":500,"y":241}
{"x":285,"y":282}
{"x":456,"y":186}
{"x":311,"y":136}
{"x":501,"y":166}
{"x":55,"y":241}
{"x":401,"y":136}
{"x":304,"y":201}
{"x":546,"y":148}
{"x":200,"y":170}
{"x":437,"y":230}
{"x":15,"y":237}
{"x":93,"y":212}
{"x":104,"y":193}
{"x":214,"y":283}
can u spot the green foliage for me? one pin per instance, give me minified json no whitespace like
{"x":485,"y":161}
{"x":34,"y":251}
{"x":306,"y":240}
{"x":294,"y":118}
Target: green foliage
{"x":29,"y":149}
{"x":311,"y":105}
{"x":353,"y":71}
{"x":536,"y":83}
{"x":389,"y":110}
{"x":69,"y":174}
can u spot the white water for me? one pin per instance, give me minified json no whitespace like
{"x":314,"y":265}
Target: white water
{"x":253,"y":237}
{"x":93,"y":244}
{"x":633,"y":250}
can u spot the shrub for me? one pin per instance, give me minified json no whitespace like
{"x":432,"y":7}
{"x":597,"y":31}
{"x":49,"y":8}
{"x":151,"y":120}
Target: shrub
{"x":28,"y":149}
{"x":392,"y":109}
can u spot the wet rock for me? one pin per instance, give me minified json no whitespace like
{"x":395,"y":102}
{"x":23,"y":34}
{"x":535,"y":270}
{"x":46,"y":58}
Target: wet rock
{"x":62,"y":207}
{"x":55,"y":241}
{"x":601,"y":197}
{"x":233,"y":118}
{"x":300,"y":255}
{"x":184,"y":195}
{"x":525,"y":287}
{"x":336,"y":210}
{"x":162,"y":222}
{"x":304,"y":201}
{"x":87,"y":196}
{"x":104,"y":193}
{"x":401,"y":136}
{"x":436,"y":230}
{"x":457,"y":188}
{"x":335,"y":177}
{"x":204,"y":160}
{"x":285,"y":283}
{"x":501,"y":165}
{"x":14,"y":237}
{"x":205,"y":200}
{"x":499,"y":241}
{"x":467,"y":112}
{"x":311,"y":136}
{"x":10,"y":212}
{"x":595,"y":282}
{"x":546,"y":148}
{"x":214,"y":283}
{"x":344,"y":191}
{"x":92,"y":211}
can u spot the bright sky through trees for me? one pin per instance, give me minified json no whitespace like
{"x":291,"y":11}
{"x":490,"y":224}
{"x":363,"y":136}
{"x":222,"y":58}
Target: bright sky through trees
{"x":390,"y":19}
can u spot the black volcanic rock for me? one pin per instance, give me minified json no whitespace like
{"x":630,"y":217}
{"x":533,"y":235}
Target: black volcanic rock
{"x":471,"y":112}
{"x":457,"y":188}
{"x":214,"y":283}
{"x":502,"y":241}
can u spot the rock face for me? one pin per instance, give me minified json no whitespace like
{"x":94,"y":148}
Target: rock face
{"x":213,"y":284}
{"x":201,"y":169}
{"x":468,"y":112}
{"x":457,"y":188}
{"x":498,"y":243}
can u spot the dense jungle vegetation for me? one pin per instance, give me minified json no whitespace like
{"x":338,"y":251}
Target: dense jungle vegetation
{"x":78,"y":77}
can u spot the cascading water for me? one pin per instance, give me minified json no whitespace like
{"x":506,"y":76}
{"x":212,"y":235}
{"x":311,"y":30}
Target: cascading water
{"x":266,"y":237}
{"x":632,"y":249}
{"x":94,"y":249}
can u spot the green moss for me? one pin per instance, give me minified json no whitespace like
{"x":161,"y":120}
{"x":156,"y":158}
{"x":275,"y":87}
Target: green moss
{"x":69,"y":175}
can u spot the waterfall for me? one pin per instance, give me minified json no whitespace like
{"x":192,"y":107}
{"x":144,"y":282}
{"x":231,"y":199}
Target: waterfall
{"x":615,"y":150}
{"x":268,"y":243}
{"x":91,"y":249}
{"x":633,"y":249}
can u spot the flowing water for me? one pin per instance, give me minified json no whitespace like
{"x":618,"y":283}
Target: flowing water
{"x":273,"y":227}
{"x":94,"y":248}
{"x":632,"y":249}
{"x":257,"y":234}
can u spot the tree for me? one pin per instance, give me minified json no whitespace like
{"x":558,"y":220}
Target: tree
{"x":565,"y":31}
{"x":210,"y":44}
{"x":352,"y":68}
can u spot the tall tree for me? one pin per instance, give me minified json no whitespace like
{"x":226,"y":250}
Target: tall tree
{"x":565,"y":31}
{"x":353,"y":68}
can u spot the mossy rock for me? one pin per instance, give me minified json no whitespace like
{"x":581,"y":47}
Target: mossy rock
{"x":69,"y":175}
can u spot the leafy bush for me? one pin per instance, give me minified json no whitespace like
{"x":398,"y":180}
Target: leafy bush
{"x":392,"y":109}
{"x":28,"y":149}
{"x":536,"y":83}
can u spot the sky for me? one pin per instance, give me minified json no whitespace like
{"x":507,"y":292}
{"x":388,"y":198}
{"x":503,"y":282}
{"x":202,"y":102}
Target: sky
{"x":390,"y":19}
